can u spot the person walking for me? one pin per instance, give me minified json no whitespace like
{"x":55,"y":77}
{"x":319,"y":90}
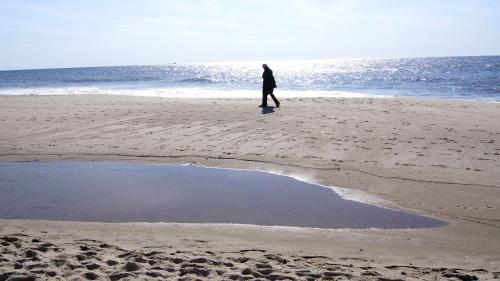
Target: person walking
{"x":268,"y":85}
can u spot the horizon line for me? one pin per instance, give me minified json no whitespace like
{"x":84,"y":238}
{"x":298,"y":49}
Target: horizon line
{"x":245,"y":61}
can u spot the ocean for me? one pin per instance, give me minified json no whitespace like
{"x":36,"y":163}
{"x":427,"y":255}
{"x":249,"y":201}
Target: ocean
{"x":466,"y":78}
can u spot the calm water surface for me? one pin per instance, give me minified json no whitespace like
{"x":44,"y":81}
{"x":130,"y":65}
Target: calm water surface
{"x":112,"y":192}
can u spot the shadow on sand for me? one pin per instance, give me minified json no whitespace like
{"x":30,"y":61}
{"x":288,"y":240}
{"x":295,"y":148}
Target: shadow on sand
{"x":267,"y":109}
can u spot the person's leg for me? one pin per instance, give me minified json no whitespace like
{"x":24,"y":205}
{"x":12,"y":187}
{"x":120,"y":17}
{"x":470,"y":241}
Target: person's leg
{"x":275,"y":99}
{"x":264,"y":97}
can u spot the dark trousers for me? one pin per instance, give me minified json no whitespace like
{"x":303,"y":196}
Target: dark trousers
{"x":266,"y":92}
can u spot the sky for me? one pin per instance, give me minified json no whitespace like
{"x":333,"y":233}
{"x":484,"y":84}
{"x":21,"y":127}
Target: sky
{"x":51,"y":34}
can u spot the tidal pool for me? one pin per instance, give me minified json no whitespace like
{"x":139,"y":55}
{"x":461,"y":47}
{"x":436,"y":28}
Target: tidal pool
{"x":117,"y":192}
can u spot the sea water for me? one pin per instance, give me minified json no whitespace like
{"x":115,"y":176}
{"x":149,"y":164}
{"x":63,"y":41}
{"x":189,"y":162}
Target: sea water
{"x":469,"y":78}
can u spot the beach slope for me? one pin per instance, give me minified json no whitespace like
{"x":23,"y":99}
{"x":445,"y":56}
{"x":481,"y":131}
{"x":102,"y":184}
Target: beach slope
{"x":433,"y":157}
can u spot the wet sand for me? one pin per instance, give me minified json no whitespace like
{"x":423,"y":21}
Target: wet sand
{"x":433,"y":157}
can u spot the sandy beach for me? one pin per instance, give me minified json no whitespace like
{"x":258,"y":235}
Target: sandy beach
{"x":438,"y":158}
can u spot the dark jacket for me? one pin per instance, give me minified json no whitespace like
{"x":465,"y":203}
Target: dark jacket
{"x":268,"y":82}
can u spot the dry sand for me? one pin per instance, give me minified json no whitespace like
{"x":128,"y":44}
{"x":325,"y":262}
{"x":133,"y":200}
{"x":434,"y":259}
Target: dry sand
{"x":432,"y":157}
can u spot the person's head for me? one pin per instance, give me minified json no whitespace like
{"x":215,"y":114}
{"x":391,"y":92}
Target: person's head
{"x":265,"y":66}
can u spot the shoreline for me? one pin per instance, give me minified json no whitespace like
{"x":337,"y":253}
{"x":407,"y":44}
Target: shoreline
{"x":182,"y":94}
{"x":432,"y":157}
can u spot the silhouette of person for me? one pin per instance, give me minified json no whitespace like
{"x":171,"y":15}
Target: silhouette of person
{"x":268,"y":85}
